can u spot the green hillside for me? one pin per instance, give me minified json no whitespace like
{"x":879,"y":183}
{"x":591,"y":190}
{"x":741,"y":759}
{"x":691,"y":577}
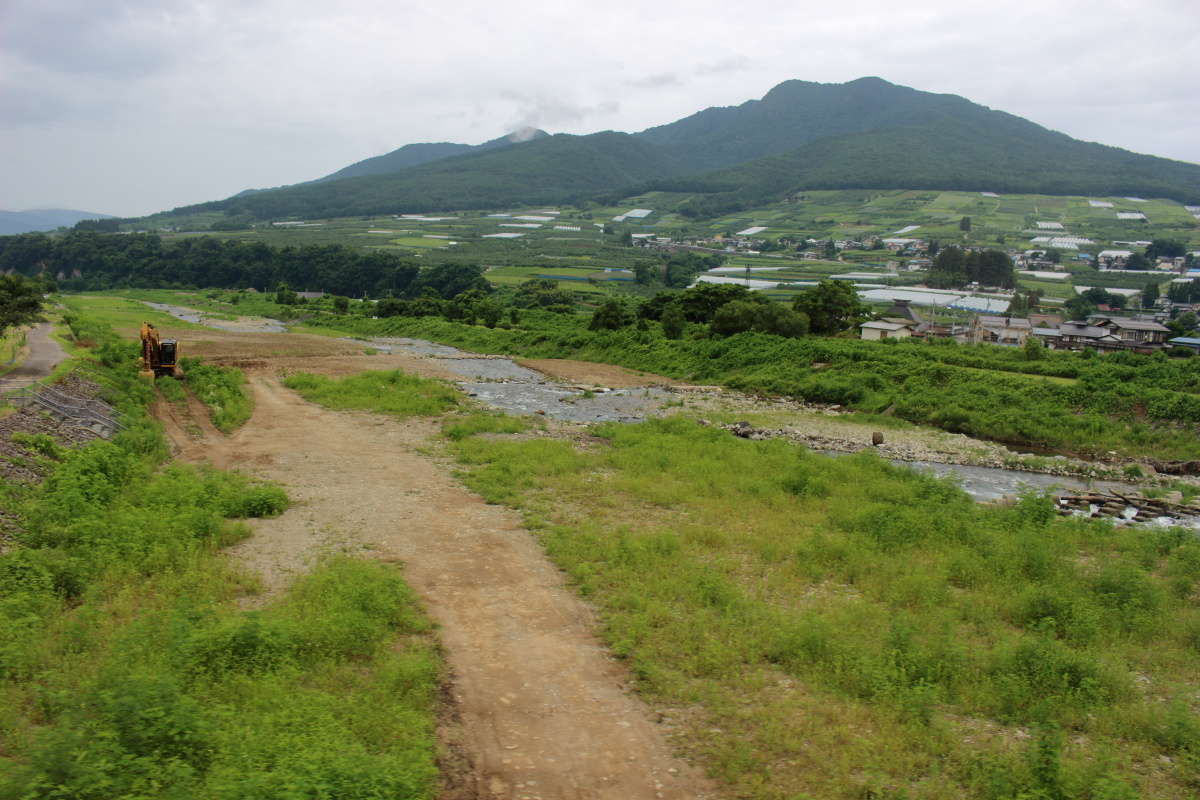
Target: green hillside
{"x":971,"y":152}
{"x":414,"y":155}
{"x":552,"y":170}
{"x":866,"y":133}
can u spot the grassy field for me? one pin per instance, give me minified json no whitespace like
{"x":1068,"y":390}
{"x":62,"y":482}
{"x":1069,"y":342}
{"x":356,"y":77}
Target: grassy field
{"x":1009,"y":221}
{"x":126,"y":314}
{"x":129,"y":669}
{"x":842,"y":628}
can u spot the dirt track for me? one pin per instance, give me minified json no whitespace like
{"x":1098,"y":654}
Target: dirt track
{"x":44,"y":355}
{"x":540,"y":706}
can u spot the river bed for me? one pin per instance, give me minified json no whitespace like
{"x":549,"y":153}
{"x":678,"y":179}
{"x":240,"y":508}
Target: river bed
{"x":500,"y":383}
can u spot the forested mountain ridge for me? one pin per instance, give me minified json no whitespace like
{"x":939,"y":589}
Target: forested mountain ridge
{"x":414,"y":155}
{"x":556,"y":169}
{"x":867,"y":133}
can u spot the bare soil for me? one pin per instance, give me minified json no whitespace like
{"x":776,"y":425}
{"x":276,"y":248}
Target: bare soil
{"x":539,"y":707}
{"x":586,"y":373}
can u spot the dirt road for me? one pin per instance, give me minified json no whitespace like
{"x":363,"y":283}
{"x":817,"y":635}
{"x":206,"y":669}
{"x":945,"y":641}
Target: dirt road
{"x":44,"y":355}
{"x":540,"y":706}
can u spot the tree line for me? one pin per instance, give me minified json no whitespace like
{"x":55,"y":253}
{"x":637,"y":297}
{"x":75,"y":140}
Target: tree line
{"x":90,"y":261}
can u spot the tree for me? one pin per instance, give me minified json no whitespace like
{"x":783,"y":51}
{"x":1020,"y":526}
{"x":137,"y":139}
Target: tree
{"x":831,"y":307}
{"x":1150,"y":294}
{"x":490,"y":312}
{"x":341,"y":304}
{"x":741,"y":315}
{"x":949,"y":269}
{"x":830,"y":250}
{"x":1098,"y":296}
{"x":20,"y":301}
{"x":1137,"y":261}
{"x":1184,"y":324}
{"x":673,"y":321}
{"x":284,"y":296}
{"x":609,"y":317}
{"x":1033,"y":350}
{"x":964,"y":224}
{"x":1079,"y":308}
{"x":1165,"y":248}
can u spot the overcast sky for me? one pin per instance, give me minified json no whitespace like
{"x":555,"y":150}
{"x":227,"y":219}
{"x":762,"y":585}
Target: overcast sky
{"x":139,"y":106}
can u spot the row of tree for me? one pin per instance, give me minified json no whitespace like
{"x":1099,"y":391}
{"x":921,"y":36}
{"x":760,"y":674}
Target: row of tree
{"x":955,"y":267}
{"x":88,"y":261}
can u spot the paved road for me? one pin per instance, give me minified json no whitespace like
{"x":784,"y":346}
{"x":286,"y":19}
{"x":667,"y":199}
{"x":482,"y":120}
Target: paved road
{"x":44,"y":355}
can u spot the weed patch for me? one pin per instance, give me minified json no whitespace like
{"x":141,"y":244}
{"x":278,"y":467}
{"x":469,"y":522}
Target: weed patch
{"x":391,"y":392}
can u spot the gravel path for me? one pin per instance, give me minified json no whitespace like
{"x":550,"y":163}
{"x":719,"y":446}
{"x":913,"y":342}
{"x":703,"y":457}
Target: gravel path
{"x":44,"y":355}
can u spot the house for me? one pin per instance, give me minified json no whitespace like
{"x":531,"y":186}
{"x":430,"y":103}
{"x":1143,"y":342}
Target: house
{"x":1078,"y":335}
{"x":1009,"y":331}
{"x":882,"y":329}
{"x":1050,"y":337}
{"x":1185,"y":341}
{"x":1114,"y":258}
{"x":1138,"y":333}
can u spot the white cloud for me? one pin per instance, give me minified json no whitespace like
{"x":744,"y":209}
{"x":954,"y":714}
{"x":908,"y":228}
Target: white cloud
{"x":131,"y":106}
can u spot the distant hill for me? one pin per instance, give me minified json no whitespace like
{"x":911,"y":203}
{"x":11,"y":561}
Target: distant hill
{"x":867,"y":133}
{"x":414,"y":155}
{"x":42,"y":219}
{"x":556,"y":169}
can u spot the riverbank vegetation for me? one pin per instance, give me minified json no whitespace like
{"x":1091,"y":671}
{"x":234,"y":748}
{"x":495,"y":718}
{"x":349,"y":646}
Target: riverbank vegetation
{"x":1139,"y":406}
{"x":127,"y":667}
{"x":843,"y":628}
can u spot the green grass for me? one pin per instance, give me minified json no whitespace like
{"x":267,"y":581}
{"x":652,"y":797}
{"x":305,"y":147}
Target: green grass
{"x":842,"y":628}
{"x":127,"y":668}
{"x":222,"y":390}
{"x":1061,"y":289}
{"x":391,"y":392}
{"x":125,"y":314}
{"x":477,"y":422}
{"x":10,"y":346}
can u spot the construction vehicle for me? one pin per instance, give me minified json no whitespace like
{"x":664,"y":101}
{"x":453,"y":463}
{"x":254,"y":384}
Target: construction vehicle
{"x":159,"y":356}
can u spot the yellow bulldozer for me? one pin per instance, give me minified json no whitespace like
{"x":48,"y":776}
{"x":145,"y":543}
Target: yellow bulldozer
{"x":159,"y":356}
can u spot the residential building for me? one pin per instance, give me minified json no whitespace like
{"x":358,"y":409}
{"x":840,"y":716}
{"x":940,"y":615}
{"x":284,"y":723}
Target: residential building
{"x":1139,"y":333}
{"x":1078,"y":335}
{"x":879,"y":329}
{"x":1009,"y":331}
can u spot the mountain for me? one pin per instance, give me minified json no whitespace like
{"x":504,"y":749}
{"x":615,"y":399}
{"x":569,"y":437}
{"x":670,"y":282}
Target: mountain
{"x":867,"y":133}
{"x":414,"y":155}
{"x":42,"y":219}
{"x":555,"y":169}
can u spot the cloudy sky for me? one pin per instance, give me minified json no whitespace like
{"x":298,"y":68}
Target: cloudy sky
{"x":138,"y":106}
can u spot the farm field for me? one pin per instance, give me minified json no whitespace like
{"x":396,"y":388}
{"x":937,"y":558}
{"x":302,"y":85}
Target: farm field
{"x":1007,"y":221}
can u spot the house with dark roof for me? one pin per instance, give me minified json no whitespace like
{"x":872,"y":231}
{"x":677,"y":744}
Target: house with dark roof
{"x":1078,"y":335}
{"x":1136,"y":333}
